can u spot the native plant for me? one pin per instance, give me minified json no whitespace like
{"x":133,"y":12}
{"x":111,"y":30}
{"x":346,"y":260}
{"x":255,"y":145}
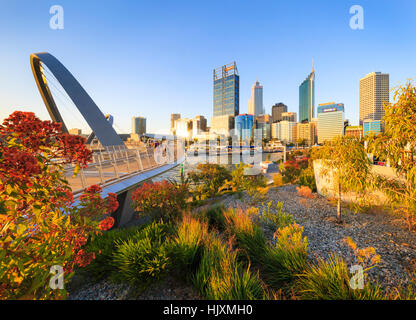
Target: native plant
{"x":344,"y":161}
{"x":39,"y":226}
{"x":208,"y":179}
{"x":160,"y":199}
{"x":397,"y":145}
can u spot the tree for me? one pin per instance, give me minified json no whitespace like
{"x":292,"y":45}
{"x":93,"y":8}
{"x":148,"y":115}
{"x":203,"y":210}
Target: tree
{"x":398,"y":146}
{"x":39,"y":226}
{"x":345,"y":160}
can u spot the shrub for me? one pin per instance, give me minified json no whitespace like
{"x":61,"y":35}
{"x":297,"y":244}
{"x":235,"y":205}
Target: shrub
{"x":221,"y":277}
{"x":307,"y":179}
{"x":278,"y":180}
{"x":214,"y":217}
{"x":161,"y":199}
{"x":290,"y":251}
{"x":330,"y":280}
{"x":305,"y":192}
{"x":208,"y":179}
{"x":103,"y":248}
{"x":144,"y":258}
{"x":248,"y":236}
{"x":39,"y":227}
{"x":290,"y":171}
{"x":186,"y":247}
{"x":277,"y":219}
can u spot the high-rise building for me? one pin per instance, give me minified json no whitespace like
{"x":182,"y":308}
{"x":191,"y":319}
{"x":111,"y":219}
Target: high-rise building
{"x":244,"y":126}
{"x":138,"y":125}
{"x":264,"y":123}
{"x":222,"y":125}
{"x":199,"y":125}
{"x":374,"y":126}
{"x":289,"y":116}
{"x":354,"y":131}
{"x":285,"y":131}
{"x":183,"y":127}
{"x":307,"y":98}
{"x":226,"y":90}
{"x":330,"y":121}
{"x":255,"y":104}
{"x":277,"y":111}
{"x":307,"y":132}
{"x":173,"y":118}
{"x":75,"y":131}
{"x":374,"y":92}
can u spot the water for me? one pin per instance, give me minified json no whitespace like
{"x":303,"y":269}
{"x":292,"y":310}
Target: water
{"x":191,"y":163}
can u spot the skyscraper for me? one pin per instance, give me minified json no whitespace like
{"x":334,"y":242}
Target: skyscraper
{"x":173,"y":118}
{"x":289,"y":116}
{"x":277,"y":111}
{"x":307,"y":98}
{"x":226,"y":90}
{"x":138,"y":125}
{"x":244,"y":126}
{"x":255,"y":104}
{"x":330,"y":121}
{"x":374,"y":91}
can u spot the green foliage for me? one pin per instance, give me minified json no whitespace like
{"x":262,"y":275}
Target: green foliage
{"x":160,"y":199}
{"x":214,"y":217}
{"x":221,"y":277}
{"x":288,"y":257}
{"x":186,"y":247}
{"x":143,"y":259}
{"x":398,"y":146}
{"x":307,"y":178}
{"x":330,"y":280}
{"x":103,"y":248}
{"x":345,"y":160}
{"x":208,"y":179}
{"x":276,"y":219}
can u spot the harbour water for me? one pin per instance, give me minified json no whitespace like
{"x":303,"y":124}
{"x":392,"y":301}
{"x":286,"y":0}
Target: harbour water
{"x":192,"y":161}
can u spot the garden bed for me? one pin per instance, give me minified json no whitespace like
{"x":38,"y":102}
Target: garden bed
{"x":386,"y":232}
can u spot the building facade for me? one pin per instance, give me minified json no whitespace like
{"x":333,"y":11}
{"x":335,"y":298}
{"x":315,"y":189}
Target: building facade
{"x":374,"y":92}
{"x":138,"y":125}
{"x":184,"y":128}
{"x":226,"y":90}
{"x":244,"y":126}
{"x":307,"y":132}
{"x":374,"y":126}
{"x":289,"y":116}
{"x":307,"y":98}
{"x":173,"y":118}
{"x":222,"y":125}
{"x":255,"y":103}
{"x":264,"y":123}
{"x":330,"y":121}
{"x":277,"y":111}
{"x":354,"y":131}
{"x":199,"y":125}
{"x":285,"y":131}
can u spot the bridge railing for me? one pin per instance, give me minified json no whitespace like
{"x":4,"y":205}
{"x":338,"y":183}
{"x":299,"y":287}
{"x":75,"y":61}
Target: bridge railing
{"x":116,"y":162}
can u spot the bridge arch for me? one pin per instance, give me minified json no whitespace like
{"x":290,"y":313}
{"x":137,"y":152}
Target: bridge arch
{"x":102,"y":129}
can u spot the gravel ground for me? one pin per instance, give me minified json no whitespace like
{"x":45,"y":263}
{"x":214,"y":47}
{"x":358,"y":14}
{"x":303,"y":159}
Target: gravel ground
{"x":386,"y":232}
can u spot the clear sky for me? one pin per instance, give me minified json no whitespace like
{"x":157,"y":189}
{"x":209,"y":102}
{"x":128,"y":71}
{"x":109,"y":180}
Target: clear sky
{"x":154,"y":58}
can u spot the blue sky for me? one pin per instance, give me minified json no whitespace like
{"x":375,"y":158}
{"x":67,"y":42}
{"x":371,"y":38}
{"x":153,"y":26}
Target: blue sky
{"x":154,"y":58}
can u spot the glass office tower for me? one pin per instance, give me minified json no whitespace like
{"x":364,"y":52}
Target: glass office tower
{"x":226,"y":90}
{"x":244,"y":126}
{"x":307,"y":98}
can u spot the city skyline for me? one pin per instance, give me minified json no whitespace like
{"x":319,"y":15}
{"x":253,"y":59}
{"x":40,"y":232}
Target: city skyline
{"x":148,"y":82}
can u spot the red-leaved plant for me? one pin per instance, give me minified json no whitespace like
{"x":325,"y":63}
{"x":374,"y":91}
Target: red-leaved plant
{"x":161,"y":199}
{"x":39,"y":226}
